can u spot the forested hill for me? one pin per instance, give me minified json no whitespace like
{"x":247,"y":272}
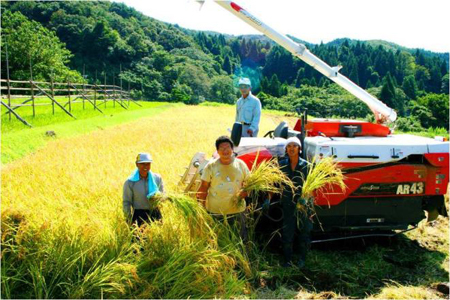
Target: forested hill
{"x":161,"y":61}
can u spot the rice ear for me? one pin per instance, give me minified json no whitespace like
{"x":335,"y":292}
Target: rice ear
{"x":266,"y":177}
{"x":325,"y":174}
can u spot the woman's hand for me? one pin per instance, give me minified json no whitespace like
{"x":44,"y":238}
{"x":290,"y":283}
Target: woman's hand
{"x":243,"y":195}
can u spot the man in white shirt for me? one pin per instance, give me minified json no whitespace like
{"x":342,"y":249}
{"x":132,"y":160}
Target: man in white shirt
{"x":248,"y":110}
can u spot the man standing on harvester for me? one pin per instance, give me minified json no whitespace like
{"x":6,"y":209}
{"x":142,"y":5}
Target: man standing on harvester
{"x":248,"y":109}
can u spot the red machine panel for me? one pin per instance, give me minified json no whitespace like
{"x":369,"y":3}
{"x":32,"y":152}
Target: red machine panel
{"x":335,"y":128}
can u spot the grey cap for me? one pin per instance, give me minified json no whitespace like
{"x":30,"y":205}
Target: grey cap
{"x":144,"y":158}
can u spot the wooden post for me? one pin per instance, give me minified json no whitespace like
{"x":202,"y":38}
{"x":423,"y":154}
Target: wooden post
{"x":120,"y":77}
{"x":31,"y":87}
{"x":70,"y":102}
{"x":7,"y":79}
{"x":114,"y":91}
{"x":120,"y":95}
{"x":104,"y":90}
{"x":15,"y":114}
{"x":128,"y":93}
{"x":95,"y":89}
{"x":88,"y":100}
{"x":54,"y":100}
{"x":32,"y":98}
{"x":95,"y":94}
{"x":84,"y":69}
{"x":53,"y":95}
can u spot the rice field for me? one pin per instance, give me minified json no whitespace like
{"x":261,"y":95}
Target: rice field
{"x":64,"y":234}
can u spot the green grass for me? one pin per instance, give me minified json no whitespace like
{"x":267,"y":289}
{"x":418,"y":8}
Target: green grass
{"x":44,"y":113}
{"x":407,"y":266}
{"x":430,"y":133}
{"x":19,"y":140}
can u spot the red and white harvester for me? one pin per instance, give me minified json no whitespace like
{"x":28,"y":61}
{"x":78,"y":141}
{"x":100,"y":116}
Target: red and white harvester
{"x":392,"y":179}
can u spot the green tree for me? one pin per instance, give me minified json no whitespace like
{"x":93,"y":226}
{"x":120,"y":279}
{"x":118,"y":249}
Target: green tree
{"x":410,"y":87}
{"x":161,"y":59}
{"x":152,"y":90}
{"x":423,"y":114}
{"x":387,"y":94}
{"x":28,"y":41}
{"x":422,"y":76}
{"x":444,"y":84}
{"x":274,"y":87}
{"x":300,"y":77}
{"x":438,"y":104}
{"x":353,"y":75}
{"x":222,"y":89}
{"x":181,"y":93}
{"x":264,"y":84}
{"x":195,"y":77}
{"x":227,"y":65}
{"x":409,"y":124}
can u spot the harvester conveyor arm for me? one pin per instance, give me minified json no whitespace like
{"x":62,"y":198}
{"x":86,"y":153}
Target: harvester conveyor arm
{"x":382,"y":112}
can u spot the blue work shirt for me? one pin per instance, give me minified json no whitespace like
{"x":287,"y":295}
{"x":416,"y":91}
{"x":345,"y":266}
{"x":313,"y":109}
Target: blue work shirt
{"x":248,"y":111}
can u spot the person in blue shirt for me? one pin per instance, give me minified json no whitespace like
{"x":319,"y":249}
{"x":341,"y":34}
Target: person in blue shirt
{"x":248,"y":109}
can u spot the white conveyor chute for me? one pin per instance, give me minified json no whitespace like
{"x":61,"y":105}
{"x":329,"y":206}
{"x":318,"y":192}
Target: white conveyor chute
{"x":382,"y":112}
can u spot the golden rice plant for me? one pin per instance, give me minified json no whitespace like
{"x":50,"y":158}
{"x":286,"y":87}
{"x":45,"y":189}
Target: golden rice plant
{"x":64,"y":234}
{"x":180,"y":256}
{"x":266,"y":177}
{"x":323,"y":175}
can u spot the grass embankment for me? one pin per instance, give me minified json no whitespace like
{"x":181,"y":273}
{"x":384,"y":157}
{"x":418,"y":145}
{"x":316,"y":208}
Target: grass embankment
{"x":64,"y":234}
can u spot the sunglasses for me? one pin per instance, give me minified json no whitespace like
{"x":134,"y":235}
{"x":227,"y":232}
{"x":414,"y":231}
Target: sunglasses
{"x":243,"y":87}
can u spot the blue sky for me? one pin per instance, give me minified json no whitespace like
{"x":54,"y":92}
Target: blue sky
{"x":410,"y":23}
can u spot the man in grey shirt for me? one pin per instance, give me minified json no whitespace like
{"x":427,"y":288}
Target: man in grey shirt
{"x":139,"y":191}
{"x":248,"y":110}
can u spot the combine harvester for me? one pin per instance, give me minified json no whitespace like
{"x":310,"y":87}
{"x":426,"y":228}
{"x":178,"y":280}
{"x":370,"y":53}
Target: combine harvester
{"x":391,"y":179}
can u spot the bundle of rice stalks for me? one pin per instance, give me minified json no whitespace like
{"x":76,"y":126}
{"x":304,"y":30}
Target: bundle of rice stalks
{"x":181,"y":257}
{"x":322,"y":175}
{"x":191,"y":272}
{"x":198,"y":221}
{"x":266,"y":178}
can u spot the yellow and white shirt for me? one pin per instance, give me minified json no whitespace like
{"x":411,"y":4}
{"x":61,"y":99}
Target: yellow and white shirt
{"x":225,"y":184}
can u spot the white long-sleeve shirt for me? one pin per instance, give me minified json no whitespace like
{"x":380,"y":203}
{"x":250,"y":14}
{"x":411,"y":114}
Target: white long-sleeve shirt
{"x":248,"y":111}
